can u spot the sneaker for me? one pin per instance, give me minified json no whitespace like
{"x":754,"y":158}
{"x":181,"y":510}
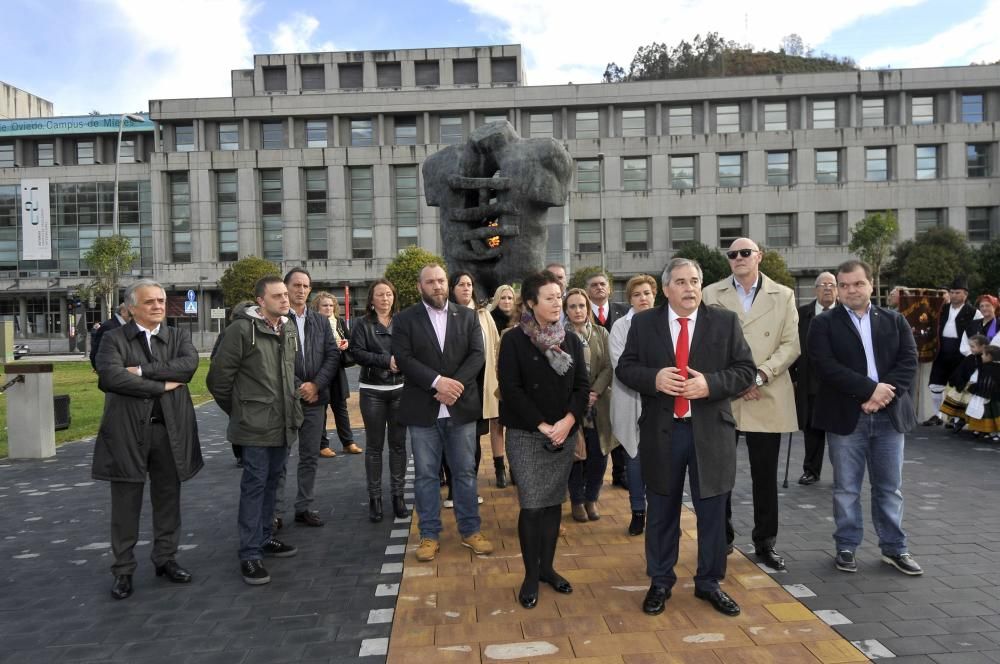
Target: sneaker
{"x":845,"y":561}
{"x":478,"y":543}
{"x":449,"y":503}
{"x":278,"y":549}
{"x":427,"y":550}
{"x":905,"y":563}
{"x":254,"y":573}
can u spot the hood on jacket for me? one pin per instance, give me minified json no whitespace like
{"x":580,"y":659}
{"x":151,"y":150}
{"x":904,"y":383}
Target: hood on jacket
{"x":252,"y":313}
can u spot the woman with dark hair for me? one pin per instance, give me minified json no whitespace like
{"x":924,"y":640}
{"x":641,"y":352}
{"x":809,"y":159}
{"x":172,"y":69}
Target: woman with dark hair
{"x":380,"y":387}
{"x":544,"y":388}
{"x":326,"y":303}
{"x":587,"y":476}
{"x":461,"y":291}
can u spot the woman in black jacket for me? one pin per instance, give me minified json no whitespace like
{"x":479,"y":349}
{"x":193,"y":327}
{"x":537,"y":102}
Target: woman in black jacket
{"x":544,"y":389}
{"x":380,"y":387}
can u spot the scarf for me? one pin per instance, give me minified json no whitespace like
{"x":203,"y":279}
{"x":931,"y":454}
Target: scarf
{"x":547,"y":340}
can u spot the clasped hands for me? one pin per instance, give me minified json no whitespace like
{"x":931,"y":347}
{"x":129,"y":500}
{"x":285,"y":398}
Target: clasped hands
{"x":669,"y":380}
{"x":882,"y":396}
{"x":557,"y":433}
{"x":448,"y":390}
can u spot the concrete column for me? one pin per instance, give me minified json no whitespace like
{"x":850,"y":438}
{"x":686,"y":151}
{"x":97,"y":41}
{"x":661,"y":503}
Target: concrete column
{"x":852,"y":118}
{"x":564,"y":125}
{"x":157,"y":140}
{"x":64,"y":317}
{"x":57,"y":151}
{"x":199,"y":135}
{"x":953,"y":106}
{"x":336,"y":131}
{"x":18,"y":152}
{"x":472,"y":122}
{"x":291,"y":128}
{"x":659,"y":120}
{"x":427,"y":127}
{"x":902,"y":108}
{"x":381,"y":129}
{"x":407,"y":74}
{"x":706,"y":112}
{"x":754,"y":121}
{"x":485,"y":74}
{"x":30,"y":432}
{"x":611,"y":121}
{"x":22,"y":315}
{"x":804,"y":112}
{"x":517,"y":121}
{"x":369,"y":75}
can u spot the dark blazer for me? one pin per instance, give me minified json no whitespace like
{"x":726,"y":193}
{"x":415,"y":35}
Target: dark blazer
{"x":803,"y":376}
{"x":98,"y":334}
{"x":839,"y":361}
{"x":321,"y":360}
{"x":128,"y":402}
{"x":616,"y":310}
{"x":962,"y":320}
{"x":531,"y":391}
{"x":718,"y":350}
{"x":421,"y":360}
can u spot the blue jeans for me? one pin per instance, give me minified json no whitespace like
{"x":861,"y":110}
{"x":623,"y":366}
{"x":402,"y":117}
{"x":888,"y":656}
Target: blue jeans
{"x":586,"y":477}
{"x":636,"y":485}
{"x":262,"y":467}
{"x":458,"y":441}
{"x":875,"y":443}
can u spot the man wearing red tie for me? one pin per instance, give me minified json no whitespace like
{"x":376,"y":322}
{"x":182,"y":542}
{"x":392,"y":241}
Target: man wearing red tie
{"x":687,"y":361}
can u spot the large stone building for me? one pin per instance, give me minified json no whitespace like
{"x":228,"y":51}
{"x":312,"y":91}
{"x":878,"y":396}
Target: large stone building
{"x":315,"y":161}
{"x":16,"y":103}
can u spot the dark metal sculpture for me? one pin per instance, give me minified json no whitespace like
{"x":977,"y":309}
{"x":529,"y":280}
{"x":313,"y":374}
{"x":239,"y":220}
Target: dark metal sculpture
{"x":493,"y":192}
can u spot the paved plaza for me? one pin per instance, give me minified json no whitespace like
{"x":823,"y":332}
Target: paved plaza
{"x":355,"y":593}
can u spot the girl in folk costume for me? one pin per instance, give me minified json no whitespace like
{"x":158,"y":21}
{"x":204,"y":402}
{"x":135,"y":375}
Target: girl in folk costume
{"x":982,"y":415}
{"x":957,"y":394}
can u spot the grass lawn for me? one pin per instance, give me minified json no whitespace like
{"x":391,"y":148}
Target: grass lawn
{"x":79,"y":381}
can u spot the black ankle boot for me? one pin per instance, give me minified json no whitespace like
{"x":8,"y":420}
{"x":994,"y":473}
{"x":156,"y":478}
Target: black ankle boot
{"x":399,"y":507}
{"x":638,"y":524}
{"x":375,"y":509}
{"x":501,"y":472}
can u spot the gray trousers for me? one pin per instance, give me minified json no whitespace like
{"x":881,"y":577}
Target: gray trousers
{"x":313,"y":425}
{"x":165,"y":497}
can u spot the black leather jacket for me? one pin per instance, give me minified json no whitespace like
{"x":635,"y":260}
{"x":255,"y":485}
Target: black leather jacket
{"x":371,"y":348}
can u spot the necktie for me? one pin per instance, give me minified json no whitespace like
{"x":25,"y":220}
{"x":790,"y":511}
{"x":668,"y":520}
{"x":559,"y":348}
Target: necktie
{"x":682,"y":405}
{"x":601,"y":318}
{"x":826,"y":308}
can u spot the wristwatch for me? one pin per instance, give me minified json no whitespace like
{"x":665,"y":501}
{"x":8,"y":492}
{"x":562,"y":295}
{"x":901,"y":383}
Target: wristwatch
{"x":759,"y":379}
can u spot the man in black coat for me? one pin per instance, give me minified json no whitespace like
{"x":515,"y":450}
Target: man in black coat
{"x":148,"y":427}
{"x":687,"y":361}
{"x":866,"y":361}
{"x":119,"y":319}
{"x":953,"y":319}
{"x":316,"y":364}
{"x":438,"y":347}
{"x":806,"y":382}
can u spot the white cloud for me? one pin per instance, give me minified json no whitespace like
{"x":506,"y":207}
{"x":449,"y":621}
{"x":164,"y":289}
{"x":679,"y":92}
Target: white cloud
{"x":974,"y":40}
{"x":184,"y":50}
{"x":573,"y":40}
{"x":296,"y":34}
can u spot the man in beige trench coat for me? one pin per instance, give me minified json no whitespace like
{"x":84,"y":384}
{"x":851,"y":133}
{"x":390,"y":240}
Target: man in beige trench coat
{"x":770,"y":322}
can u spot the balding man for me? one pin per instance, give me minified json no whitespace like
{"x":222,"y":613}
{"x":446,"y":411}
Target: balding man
{"x":770,"y":321}
{"x":806,"y":382}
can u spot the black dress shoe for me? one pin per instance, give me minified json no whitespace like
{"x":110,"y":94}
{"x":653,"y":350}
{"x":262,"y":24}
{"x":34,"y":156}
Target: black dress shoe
{"x":558,"y":583}
{"x":527,"y":597}
{"x":729,"y":549}
{"x":722,"y":602}
{"x":770,"y":558}
{"x":501,"y":478}
{"x":174,"y":572}
{"x":309,"y":518}
{"x":656,"y":599}
{"x":399,"y":507}
{"x":122,"y":587}
{"x":638,"y":524}
{"x":932,"y":421}
{"x":374,"y":510}
{"x":620,"y":482}
{"x":808,"y":478}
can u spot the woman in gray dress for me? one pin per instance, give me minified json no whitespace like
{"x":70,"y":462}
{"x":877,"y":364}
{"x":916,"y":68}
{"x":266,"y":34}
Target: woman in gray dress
{"x":544,"y":389}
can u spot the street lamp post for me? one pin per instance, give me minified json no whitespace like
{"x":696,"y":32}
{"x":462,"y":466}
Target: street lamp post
{"x":600,"y":200}
{"x":134,"y":117}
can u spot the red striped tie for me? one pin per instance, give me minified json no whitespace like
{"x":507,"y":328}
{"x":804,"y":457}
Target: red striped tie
{"x":600,"y":315}
{"x":682,"y":405}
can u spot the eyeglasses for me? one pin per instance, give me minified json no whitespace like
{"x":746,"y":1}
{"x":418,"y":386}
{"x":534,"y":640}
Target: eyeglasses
{"x":745,"y":253}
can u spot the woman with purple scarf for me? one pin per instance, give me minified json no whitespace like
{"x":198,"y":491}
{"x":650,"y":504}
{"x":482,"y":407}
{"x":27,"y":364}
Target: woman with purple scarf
{"x":544,"y":390}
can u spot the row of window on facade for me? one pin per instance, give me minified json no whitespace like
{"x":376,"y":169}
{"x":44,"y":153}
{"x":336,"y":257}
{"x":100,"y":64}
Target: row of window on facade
{"x":829,"y":167}
{"x":81,"y":212}
{"x":681,"y":120}
{"x":350,"y":75}
{"x":84,"y":153}
{"x":781,"y":229}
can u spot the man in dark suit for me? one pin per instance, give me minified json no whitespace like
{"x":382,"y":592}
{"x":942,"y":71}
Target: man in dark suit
{"x":953,"y":319}
{"x":806,"y":383}
{"x":687,"y":361}
{"x":438,"y":347}
{"x":148,"y":428}
{"x":866,"y":360}
{"x":606,"y":313}
{"x":120,"y":318}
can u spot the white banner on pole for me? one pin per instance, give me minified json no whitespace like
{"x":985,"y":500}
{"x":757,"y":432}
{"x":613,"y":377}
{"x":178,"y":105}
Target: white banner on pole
{"x":36,"y":228}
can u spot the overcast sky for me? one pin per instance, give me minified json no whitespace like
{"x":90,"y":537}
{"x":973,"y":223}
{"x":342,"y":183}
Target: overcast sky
{"x":115,"y":55}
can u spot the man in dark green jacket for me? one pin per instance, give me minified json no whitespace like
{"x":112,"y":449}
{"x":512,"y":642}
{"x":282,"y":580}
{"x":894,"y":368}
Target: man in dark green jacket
{"x":252,"y":378}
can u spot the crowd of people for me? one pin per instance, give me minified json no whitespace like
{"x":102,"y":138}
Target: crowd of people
{"x":559,"y":380}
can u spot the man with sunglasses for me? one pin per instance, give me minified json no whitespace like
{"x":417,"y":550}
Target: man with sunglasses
{"x":770,"y":323}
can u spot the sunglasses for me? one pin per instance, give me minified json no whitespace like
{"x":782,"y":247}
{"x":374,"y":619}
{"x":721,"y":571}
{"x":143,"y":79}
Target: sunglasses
{"x":745,"y":253}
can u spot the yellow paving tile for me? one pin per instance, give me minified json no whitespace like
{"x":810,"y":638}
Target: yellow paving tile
{"x":753,"y":580}
{"x":447,"y":635}
{"x":704,"y":616}
{"x":640,"y":622}
{"x":790,"y":632}
{"x":434,"y":616}
{"x":615,"y":644}
{"x":461,"y":654}
{"x":513,"y":612}
{"x":835,"y":652}
{"x":784,"y":653}
{"x":695,"y":638}
{"x":691,"y":657}
{"x":413,"y":635}
{"x":790,"y":611}
{"x":423,"y":584}
{"x":526,"y":650}
{"x":549,"y":627}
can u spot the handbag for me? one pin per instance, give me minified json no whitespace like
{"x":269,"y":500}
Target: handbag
{"x":580,"y":450}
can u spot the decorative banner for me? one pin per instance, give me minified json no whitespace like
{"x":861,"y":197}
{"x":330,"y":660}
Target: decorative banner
{"x":921,"y":307}
{"x":36,"y":229}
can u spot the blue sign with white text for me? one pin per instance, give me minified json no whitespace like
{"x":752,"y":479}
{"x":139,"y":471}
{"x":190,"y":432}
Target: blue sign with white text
{"x":85,"y":124}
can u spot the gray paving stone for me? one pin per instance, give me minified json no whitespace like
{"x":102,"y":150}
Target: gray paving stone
{"x":864,"y":631}
{"x":914,"y":645}
{"x":963,"y":658}
{"x":915,"y":627}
